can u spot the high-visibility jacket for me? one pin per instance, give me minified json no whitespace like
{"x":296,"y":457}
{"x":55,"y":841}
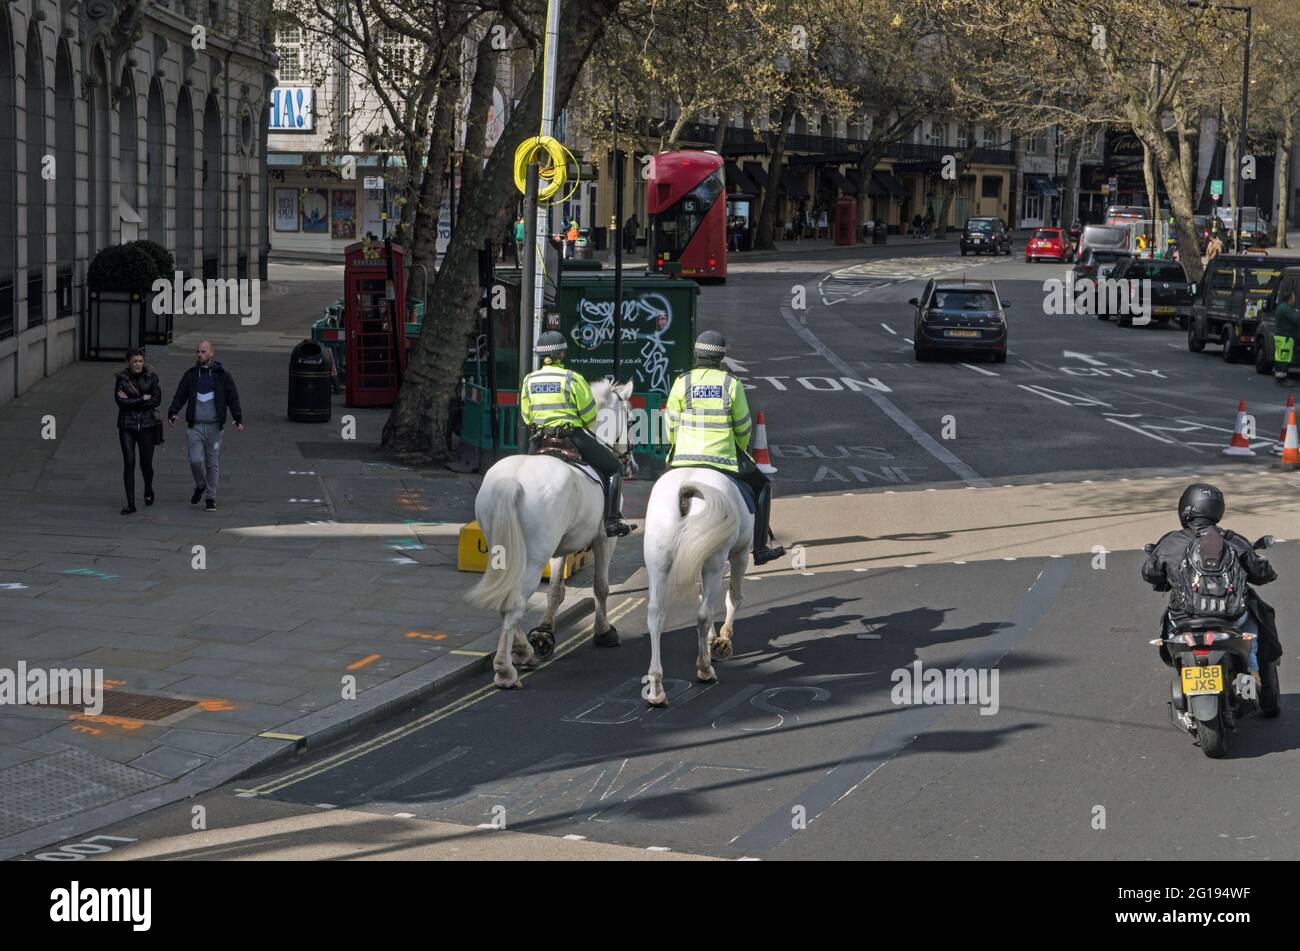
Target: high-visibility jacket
{"x":707,"y":418}
{"x":555,"y":395}
{"x":572,"y":233}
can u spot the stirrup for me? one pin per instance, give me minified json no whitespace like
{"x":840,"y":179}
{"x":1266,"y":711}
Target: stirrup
{"x":617,"y":528}
{"x":763,"y":555}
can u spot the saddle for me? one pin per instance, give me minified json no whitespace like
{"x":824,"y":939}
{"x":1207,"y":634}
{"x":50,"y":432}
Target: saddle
{"x":555,"y":442}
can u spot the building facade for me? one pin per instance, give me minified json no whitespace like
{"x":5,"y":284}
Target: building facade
{"x":119,"y":120}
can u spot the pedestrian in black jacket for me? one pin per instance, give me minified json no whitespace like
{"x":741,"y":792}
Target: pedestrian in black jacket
{"x":207,"y":391}
{"x":138,"y":394}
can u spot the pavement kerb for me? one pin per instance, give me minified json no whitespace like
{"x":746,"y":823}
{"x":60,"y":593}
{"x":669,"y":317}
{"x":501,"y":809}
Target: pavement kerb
{"x":258,"y":752}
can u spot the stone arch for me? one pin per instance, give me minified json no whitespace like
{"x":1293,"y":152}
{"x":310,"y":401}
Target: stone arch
{"x":212,"y":179}
{"x":184,"y":182}
{"x":65,"y":177}
{"x":37,"y":226}
{"x":129,"y":140}
{"x":8,"y":178}
{"x":102,"y":212}
{"x":156,"y":159}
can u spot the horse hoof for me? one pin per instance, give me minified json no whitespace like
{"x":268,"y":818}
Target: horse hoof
{"x":542,"y":640}
{"x":528,"y":663}
{"x":660,"y":701}
{"x":608,"y":639}
{"x":706,"y":677}
{"x":720,"y":649}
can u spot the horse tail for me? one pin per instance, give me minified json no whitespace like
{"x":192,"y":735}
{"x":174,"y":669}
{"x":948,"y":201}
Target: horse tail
{"x":700,"y":535}
{"x":498,"y":590}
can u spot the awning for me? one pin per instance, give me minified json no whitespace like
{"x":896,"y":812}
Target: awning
{"x":756,"y":173}
{"x":1043,"y":185}
{"x":890,"y":184}
{"x":833,"y":176}
{"x":793,"y":185}
{"x":874,"y":188}
{"x":738,"y":181}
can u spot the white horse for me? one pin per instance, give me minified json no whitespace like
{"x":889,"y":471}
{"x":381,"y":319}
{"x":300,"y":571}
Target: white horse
{"x":696,"y":521}
{"x":535,"y":509}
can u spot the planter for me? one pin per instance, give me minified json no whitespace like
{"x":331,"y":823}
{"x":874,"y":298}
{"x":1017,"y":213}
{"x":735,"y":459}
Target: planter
{"x":113,"y":325}
{"x":158,"y":326}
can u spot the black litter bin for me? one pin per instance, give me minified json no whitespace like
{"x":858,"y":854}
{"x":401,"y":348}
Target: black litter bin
{"x":309,"y":384}
{"x":881,"y":232}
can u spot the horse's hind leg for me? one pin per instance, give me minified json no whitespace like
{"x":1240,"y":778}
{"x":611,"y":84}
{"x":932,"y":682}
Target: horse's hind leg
{"x":606,"y":635}
{"x":506,"y":675}
{"x":542,"y":637}
{"x":656,"y":615}
{"x":721,"y":646}
{"x":710,"y":590}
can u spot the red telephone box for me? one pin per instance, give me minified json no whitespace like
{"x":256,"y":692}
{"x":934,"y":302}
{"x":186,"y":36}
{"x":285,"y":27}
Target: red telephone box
{"x":376,"y":350}
{"x":846,"y":220}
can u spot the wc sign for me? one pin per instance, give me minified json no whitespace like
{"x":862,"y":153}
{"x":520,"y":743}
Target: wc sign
{"x":292,"y":109}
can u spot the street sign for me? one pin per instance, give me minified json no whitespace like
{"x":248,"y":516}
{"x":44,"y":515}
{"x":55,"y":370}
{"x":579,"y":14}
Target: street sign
{"x":1216,"y":188}
{"x":374,"y":182}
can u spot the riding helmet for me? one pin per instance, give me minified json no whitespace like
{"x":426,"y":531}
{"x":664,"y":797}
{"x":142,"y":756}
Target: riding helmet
{"x":551,"y":346}
{"x":710,"y":348}
{"x":1200,"y":500}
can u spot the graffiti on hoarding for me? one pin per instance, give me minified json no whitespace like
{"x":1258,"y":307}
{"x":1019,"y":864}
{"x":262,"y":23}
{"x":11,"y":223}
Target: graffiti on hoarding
{"x":646,"y":318}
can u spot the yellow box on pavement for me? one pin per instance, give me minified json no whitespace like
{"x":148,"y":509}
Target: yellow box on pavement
{"x":472,"y":554}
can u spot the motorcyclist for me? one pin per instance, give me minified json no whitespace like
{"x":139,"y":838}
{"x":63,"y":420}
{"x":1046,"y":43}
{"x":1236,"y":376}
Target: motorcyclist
{"x":1200,"y":506}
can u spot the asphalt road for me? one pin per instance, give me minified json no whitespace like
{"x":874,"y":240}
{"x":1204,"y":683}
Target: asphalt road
{"x":801,"y":751}
{"x":848,"y":407}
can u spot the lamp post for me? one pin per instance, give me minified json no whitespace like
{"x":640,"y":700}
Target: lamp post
{"x":1245,"y":96}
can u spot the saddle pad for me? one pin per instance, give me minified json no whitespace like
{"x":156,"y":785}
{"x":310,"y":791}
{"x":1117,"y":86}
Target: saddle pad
{"x":588,"y":471}
{"x":746,"y":492}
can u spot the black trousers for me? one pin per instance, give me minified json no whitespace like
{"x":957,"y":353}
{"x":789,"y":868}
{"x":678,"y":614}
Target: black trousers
{"x":599,"y":456}
{"x":130,"y":439}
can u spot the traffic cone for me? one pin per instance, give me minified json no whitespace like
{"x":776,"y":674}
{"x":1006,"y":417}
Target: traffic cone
{"x":1290,"y":405}
{"x":1291,"y":450}
{"x":761,"y":457}
{"x":1240,"y":445}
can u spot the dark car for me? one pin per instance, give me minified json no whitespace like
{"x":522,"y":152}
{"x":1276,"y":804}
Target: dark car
{"x":1230,"y":299}
{"x":985,"y":234}
{"x":1097,"y":263}
{"x":1171,"y":295}
{"x":962,"y":316}
{"x":1264,"y":350}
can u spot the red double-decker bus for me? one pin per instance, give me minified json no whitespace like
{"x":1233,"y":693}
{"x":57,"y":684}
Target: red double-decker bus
{"x":686,"y":207}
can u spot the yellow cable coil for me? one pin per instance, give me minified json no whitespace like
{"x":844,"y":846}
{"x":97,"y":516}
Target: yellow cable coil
{"x":553,"y":159}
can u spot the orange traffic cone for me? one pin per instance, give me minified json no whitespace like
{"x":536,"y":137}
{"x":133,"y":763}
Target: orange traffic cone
{"x":1240,"y":445}
{"x":761,"y":457}
{"x":1290,"y":405}
{"x":1291,"y":449}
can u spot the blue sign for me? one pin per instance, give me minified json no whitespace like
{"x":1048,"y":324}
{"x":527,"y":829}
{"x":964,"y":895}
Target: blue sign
{"x":292,"y":109}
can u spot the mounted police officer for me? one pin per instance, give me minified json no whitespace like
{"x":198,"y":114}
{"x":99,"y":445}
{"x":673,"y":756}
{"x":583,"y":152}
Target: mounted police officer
{"x":558,"y":401}
{"x":708,"y":425}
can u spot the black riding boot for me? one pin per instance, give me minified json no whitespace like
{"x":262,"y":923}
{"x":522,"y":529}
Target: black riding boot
{"x":615,"y":527}
{"x":762,"y":515}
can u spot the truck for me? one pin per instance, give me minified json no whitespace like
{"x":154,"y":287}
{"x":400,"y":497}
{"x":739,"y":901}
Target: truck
{"x":1229,"y":301}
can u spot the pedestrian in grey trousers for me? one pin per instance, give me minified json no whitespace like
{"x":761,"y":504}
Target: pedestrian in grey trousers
{"x":207,"y":391}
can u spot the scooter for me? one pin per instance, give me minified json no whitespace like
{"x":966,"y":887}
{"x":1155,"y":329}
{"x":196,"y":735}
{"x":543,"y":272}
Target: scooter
{"x":1211,"y":687}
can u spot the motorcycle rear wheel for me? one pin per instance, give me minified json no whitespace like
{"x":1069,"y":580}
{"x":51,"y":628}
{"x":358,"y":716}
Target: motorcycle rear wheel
{"x":1212,"y":735}
{"x":1270,"y":693}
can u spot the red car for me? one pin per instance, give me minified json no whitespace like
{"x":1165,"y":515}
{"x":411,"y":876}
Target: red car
{"x":1050,"y":244}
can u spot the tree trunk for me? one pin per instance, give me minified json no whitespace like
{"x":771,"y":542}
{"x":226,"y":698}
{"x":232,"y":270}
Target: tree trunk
{"x":424,"y":233}
{"x":871,"y":157}
{"x":1070,"y":199}
{"x":1285,"y":142}
{"x":720,"y":134}
{"x":1148,"y":130}
{"x":1153,"y":193}
{"x":480,"y":103}
{"x":418,"y":425}
{"x":767,"y":211}
{"x":950,"y":192}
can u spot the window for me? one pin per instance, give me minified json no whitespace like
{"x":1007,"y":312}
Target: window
{"x":992,"y":139}
{"x":1037,"y":144}
{"x":963,"y":136}
{"x":938,"y":133}
{"x":1033,"y":205}
{"x":399,"y":52}
{"x":288,"y":43}
{"x":992,"y":187}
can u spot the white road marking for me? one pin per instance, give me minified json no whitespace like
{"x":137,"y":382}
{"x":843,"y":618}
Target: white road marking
{"x":1138,"y":429}
{"x":890,"y":329}
{"x":971,"y":366}
{"x":1091,"y":361}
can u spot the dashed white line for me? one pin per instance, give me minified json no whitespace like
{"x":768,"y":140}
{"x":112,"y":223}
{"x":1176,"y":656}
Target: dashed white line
{"x":971,"y":366}
{"x":890,"y":329}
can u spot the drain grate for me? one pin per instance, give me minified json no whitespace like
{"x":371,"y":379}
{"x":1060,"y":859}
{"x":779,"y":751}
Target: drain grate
{"x":134,"y":706}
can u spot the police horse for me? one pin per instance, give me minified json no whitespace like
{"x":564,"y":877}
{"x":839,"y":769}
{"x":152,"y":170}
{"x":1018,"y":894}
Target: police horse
{"x":538,"y":508}
{"x":696,"y":522}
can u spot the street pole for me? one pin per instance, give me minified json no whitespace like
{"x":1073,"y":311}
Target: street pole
{"x":527,"y":315}
{"x":1241,"y":140}
{"x":618,"y":244}
{"x":541,"y":216}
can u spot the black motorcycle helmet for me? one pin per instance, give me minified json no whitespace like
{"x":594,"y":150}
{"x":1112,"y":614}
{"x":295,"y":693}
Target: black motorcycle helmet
{"x":1200,"y":500}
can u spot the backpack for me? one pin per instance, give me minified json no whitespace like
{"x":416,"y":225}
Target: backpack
{"x":1211,"y":581}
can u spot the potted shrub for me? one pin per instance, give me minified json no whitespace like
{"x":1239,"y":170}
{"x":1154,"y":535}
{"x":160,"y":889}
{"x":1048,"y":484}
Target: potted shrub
{"x":157,"y":320}
{"x":118,"y":286}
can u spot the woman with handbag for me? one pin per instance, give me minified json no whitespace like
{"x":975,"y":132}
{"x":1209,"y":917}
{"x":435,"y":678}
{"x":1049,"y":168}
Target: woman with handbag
{"x":138,"y":393}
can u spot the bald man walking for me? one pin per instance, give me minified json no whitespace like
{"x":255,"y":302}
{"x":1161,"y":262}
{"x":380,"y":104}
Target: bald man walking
{"x":207,"y":391}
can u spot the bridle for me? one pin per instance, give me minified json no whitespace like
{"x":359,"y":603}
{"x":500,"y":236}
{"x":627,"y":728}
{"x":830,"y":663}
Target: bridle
{"x":621,"y":446}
